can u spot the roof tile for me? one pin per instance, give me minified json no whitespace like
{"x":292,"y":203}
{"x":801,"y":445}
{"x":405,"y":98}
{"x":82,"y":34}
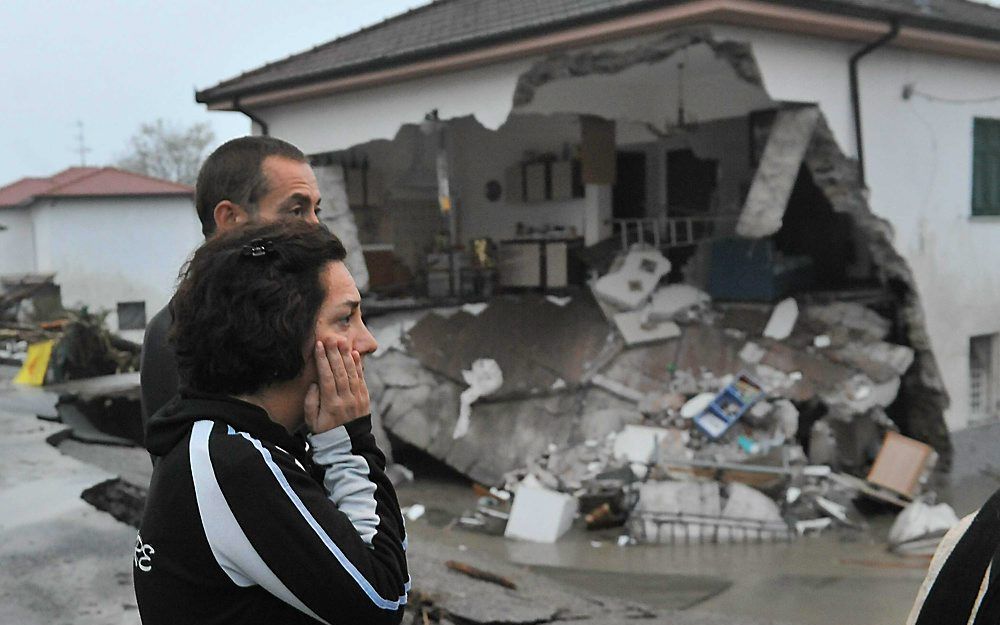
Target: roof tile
{"x":447,"y":24}
{"x":88,"y":182}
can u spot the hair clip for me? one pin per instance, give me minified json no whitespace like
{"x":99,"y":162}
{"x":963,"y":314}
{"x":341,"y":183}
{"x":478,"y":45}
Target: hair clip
{"x":257,"y":248}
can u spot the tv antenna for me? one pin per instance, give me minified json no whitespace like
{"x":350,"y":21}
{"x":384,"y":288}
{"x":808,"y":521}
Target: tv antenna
{"x":81,"y":145}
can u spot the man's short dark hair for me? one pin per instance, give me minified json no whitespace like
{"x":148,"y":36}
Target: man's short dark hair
{"x":247,"y":303}
{"x":233,"y":172}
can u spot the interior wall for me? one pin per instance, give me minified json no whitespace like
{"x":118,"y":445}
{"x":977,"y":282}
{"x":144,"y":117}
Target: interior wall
{"x":725,"y":141}
{"x":481,"y":155}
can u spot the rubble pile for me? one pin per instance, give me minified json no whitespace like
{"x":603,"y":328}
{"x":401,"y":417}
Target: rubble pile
{"x":655,"y":408}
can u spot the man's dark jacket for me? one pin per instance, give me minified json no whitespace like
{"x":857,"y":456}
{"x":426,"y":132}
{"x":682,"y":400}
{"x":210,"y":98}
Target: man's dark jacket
{"x":244,"y":525}
{"x":157,"y":365}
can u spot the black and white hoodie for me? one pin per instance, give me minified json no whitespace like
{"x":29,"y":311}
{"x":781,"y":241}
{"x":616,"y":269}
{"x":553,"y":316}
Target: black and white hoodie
{"x":244,"y":525}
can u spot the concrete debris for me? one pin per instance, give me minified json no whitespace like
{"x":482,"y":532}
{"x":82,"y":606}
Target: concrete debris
{"x":752,"y":353}
{"x":540,"y":515}
{"x":782,"y":320}
{"x":868,"y":324}
{"x":669,"y":301}
{"x":638,"y":443}
{"x":637,"y":328}
{"x":822,"y":341}
{"x":484,"y":378}
{"x":748,"y":503}
{"x":696,"y":405}
{"x":920,"y":527}
{"x":414,"y":512}
{"x":581,"y":420}
{"x":474,"y":309}
{"x":616,"y":388}
{"x":635,"y":281}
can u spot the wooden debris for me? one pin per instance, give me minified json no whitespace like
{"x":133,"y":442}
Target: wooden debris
{"x":481,"y":575}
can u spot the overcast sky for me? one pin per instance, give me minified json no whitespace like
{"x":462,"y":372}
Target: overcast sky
{"x":114,"y":65}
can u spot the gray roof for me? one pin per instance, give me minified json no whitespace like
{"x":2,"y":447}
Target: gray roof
{"x":449,"y":26}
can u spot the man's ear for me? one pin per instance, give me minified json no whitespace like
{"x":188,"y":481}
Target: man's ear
{"x":228,"y":215}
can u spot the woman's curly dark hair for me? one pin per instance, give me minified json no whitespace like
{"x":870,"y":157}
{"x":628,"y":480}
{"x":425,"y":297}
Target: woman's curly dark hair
{"x":247,"y":303}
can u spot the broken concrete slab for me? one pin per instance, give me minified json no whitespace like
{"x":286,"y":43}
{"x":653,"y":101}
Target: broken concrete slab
{"x":779,"y":166}
{"x":688,"y":364}
{"x":672,"y":299}
{"x":637,"y":328}
{"x":782,"y":321}
{"x":595,"y":425}
{"x":484,"y":378}
{"x":744,"y":502}
{"x":502,"y":436}
{"x":561,"y":343}
{"x":635,"y":281}
{"x":879,"y":360}
{"x":639,"y":443}
{"x":870,"y":325}
{"x":540,"y":515}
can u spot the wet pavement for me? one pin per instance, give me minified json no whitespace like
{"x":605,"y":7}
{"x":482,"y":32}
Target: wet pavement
{"x":807,"y":581}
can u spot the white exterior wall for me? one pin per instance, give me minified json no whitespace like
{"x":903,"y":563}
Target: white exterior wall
{"x":17,"y":242}
{"x":109,"y":250}
{"x":343,"y":120}
{"x":918,"y":157}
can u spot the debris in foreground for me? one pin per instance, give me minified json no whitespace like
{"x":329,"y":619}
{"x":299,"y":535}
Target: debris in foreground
{"x":605,"y":400}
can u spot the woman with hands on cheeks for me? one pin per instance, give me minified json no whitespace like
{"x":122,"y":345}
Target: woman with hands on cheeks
{"x":245,"y":521}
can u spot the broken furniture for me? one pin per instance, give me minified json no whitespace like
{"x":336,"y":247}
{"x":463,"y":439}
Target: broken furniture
{"x":752,"y":270}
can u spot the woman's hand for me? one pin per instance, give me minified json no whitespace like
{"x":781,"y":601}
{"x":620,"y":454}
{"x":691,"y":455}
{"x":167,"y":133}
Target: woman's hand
{"x":340,"y":394}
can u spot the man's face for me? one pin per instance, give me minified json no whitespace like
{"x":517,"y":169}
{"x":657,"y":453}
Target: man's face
{"x":292,"y":191}
{"x":339,"y":316}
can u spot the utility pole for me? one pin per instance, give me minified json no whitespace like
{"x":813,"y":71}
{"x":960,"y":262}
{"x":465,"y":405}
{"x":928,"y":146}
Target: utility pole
{"x":81,"y":146}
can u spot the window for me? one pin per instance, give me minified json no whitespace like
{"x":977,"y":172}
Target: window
{"x":131,"y":315}
{"x":985,"y":167}
{"x":983,"y":377}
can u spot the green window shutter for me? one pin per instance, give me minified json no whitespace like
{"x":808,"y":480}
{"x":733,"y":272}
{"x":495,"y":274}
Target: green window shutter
{"x":986,"y":167}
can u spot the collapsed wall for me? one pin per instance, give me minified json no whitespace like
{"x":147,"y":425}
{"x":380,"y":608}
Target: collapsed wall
{"x":923,"y":398}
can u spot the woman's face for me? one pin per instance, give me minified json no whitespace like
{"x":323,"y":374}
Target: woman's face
{"x":339,"y":316}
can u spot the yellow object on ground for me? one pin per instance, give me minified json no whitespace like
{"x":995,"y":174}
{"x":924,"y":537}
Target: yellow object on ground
{"x":36,"y":364}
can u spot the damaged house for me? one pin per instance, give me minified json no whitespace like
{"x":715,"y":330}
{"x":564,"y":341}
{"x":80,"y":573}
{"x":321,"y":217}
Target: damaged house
{"x":840,"y":152}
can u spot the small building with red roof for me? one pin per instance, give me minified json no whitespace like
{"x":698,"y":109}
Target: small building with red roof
{"x":115,"y":239}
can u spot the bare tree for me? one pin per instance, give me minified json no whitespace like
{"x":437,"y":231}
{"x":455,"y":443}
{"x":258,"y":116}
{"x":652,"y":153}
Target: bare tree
{"x":162,"y":150}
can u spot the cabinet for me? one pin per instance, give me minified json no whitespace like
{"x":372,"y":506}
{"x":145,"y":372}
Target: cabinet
{"x":543,"y":181}
{"x":537,"y":263}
